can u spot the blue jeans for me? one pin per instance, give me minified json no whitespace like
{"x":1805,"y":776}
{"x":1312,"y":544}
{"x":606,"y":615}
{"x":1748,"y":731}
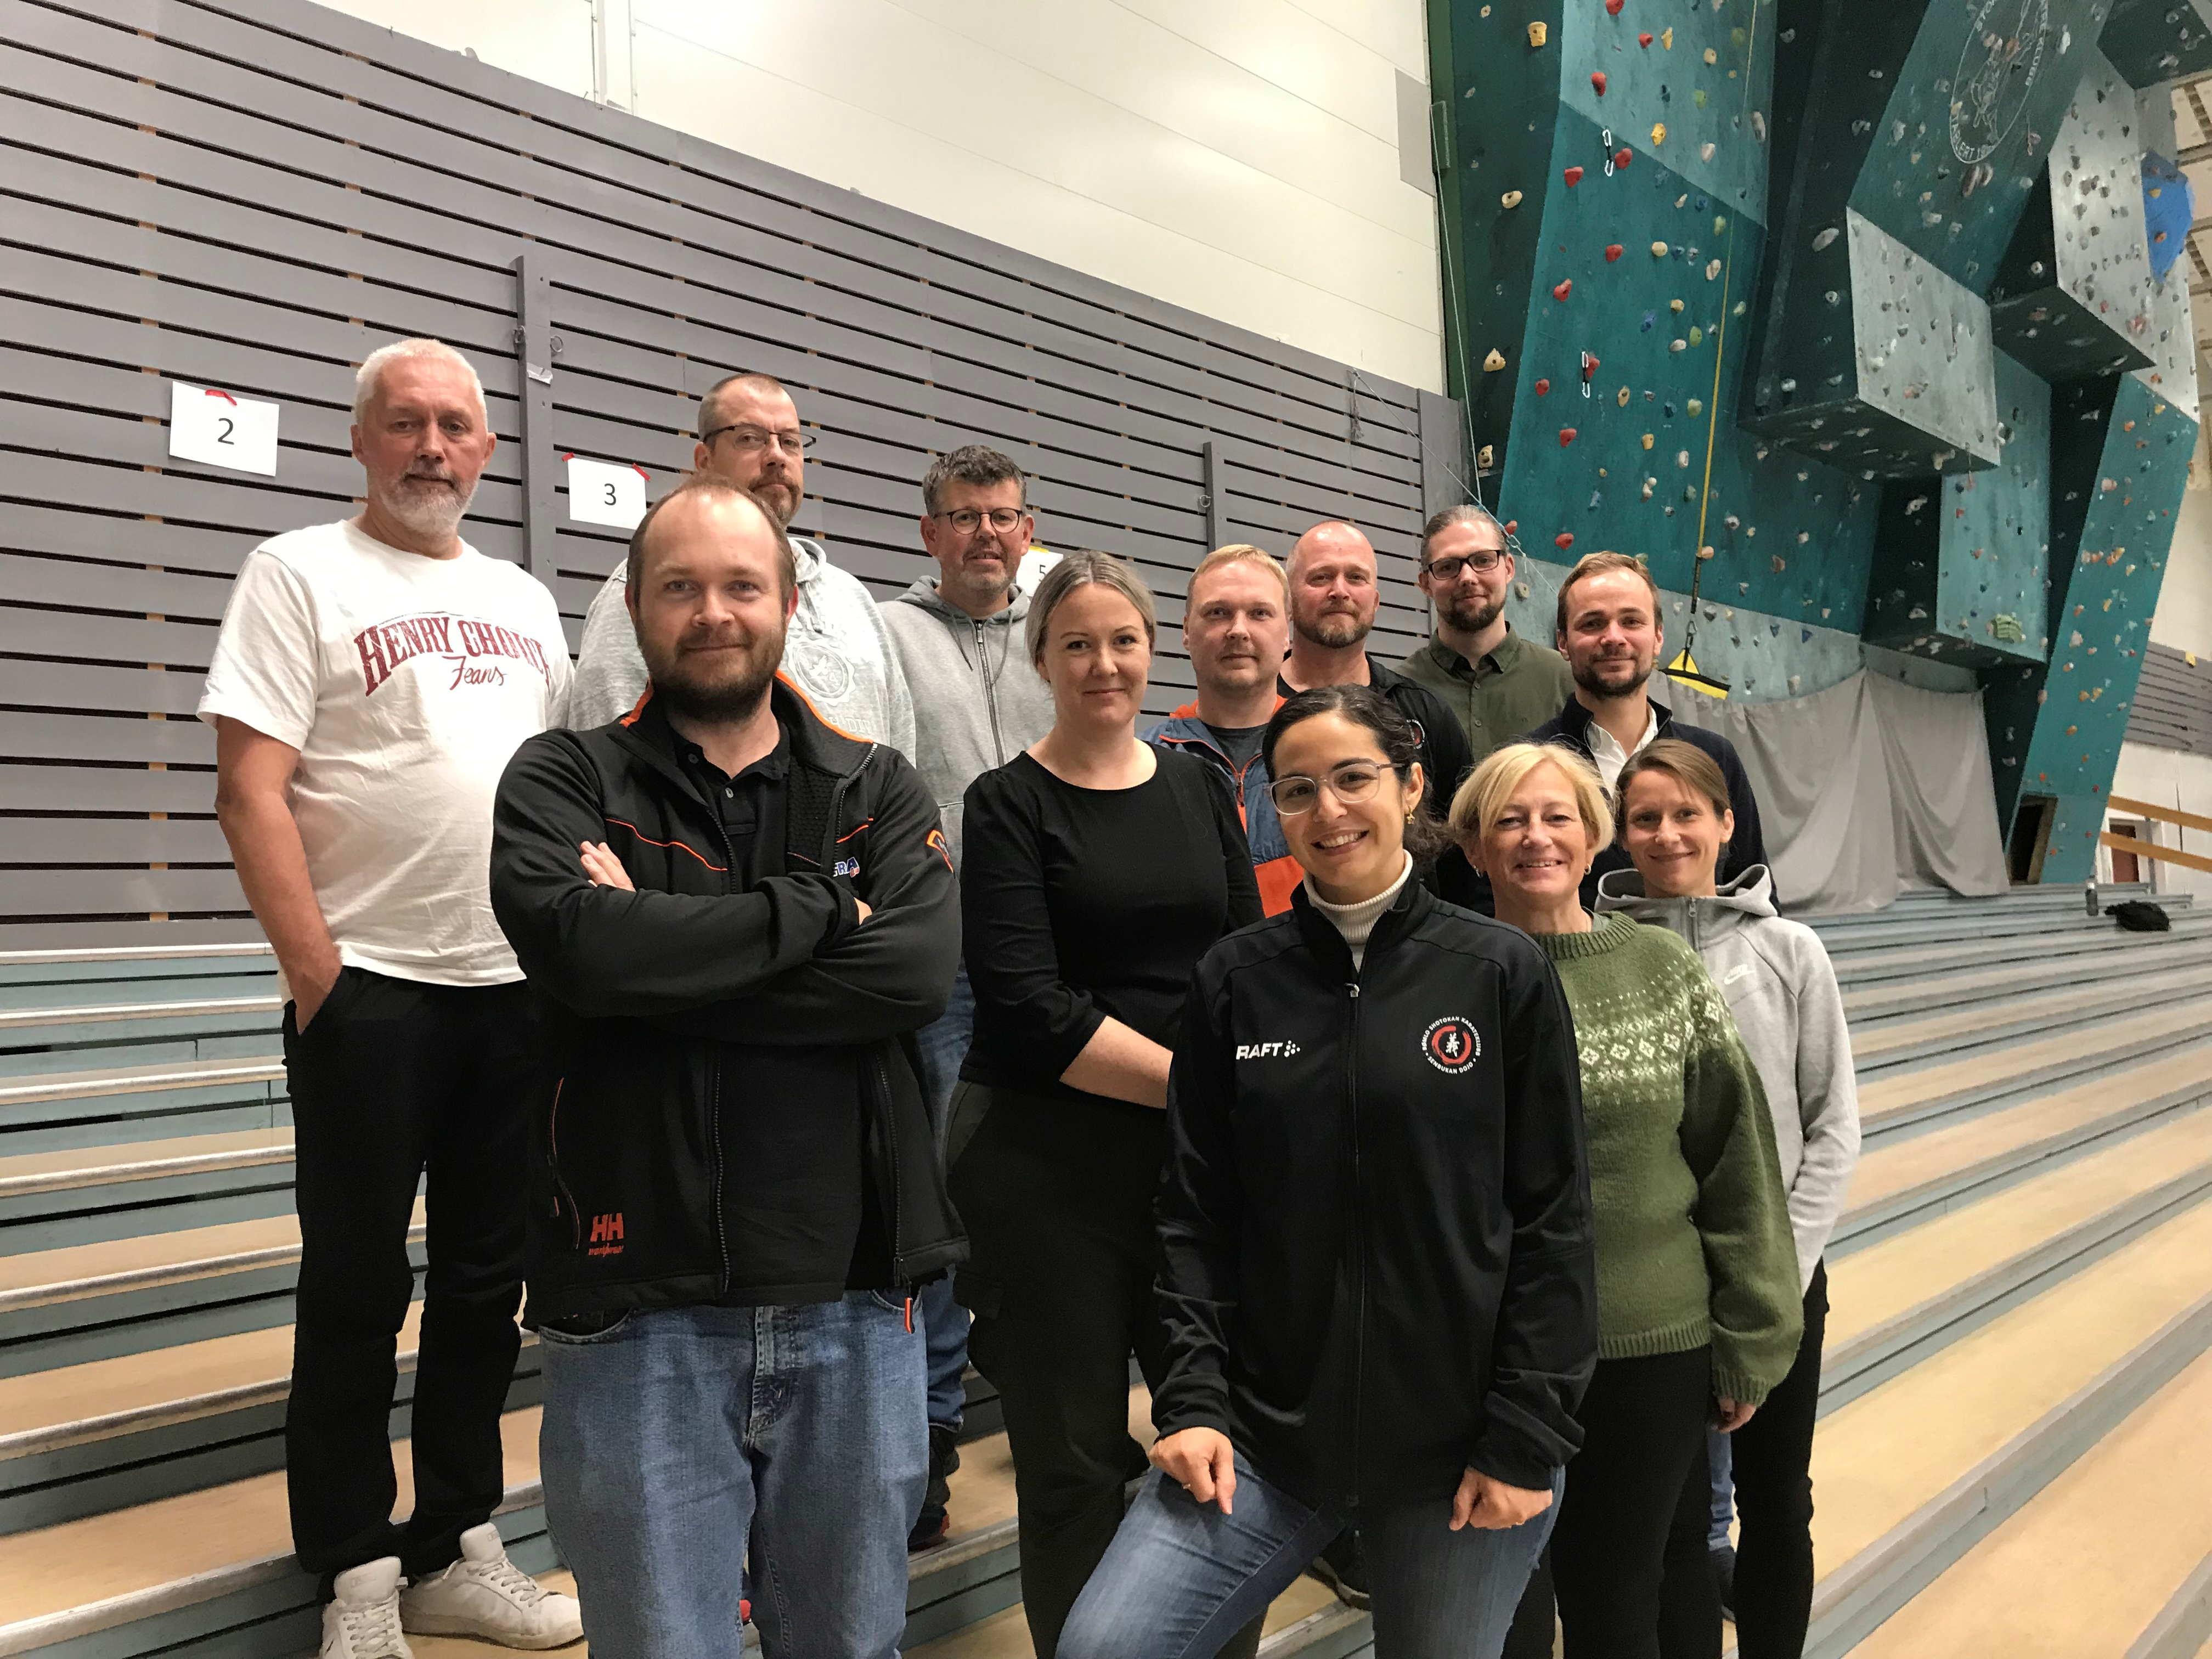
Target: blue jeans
{"x":680,"y":1436}
{"x":1718,"y":1447}
{"x":1181,"y":1578}
{"x":944,"y":1322}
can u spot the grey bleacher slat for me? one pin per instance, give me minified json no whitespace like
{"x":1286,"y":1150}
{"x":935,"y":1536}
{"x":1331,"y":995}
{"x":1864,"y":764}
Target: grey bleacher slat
{"x":116,"y":892}
{"x":102,"y":789}
{"x":81,"y":686}
{"x":114,"y":840}
{"x":107,"y":738}
{"x":2183,"y":1627}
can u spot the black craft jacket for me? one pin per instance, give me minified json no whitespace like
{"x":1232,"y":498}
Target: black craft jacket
{"x":672,"y":1011}
{"x":1375,"y":1219}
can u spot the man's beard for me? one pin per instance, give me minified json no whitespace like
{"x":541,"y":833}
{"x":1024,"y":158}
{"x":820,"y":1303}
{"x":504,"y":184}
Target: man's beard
{"x":1470,"y":616}
{"x":733,"y":698}
{"x":1334,"y":629}
{"x":426,"y":506}
{"x":781,"y":495}
{"x":1586,"y":677}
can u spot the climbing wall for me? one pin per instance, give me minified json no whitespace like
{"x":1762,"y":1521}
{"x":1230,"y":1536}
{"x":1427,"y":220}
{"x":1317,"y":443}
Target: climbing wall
{"x":1815,"y":308}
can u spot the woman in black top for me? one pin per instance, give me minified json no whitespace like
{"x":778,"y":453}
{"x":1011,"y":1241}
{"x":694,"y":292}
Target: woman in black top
{"x":1097,"y":869}
{"x":1376,"y":1240}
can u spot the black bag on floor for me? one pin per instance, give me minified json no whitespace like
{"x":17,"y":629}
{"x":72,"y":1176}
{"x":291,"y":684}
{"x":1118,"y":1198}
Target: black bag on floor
{"x":2136,"y":917}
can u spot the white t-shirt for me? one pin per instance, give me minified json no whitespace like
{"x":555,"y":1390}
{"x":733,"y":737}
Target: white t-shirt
{"x":405,"y":682}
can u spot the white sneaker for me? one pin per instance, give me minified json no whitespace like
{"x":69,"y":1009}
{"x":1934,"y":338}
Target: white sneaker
{"x":363,"y":1621}
{"x":485,"y":1595}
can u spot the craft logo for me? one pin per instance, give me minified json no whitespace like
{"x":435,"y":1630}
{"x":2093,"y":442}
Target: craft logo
{"x":848,"y":867}
{"x":1265,"y":1050}
{"x":1451,"y":1044}
{"x":606,"y":1235}
{"x":475,"y":649}
{"x":1997,"y":67}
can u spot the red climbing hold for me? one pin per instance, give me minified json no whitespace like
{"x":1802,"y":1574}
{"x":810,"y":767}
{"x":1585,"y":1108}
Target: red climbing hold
{"x":1612,"y":250}
{"x":1574,"y":177}
{"x":1566,"y":436}
{"x":1614,"y":7}
{"x":1542,"y":386}
{"x":1564,"y":287}
{"x":1597,"y":80}
{"x":1512,"y":525}
{"x":1563,"y":539}
{"x":1621,"y":157}
{"x":1644,"y":39}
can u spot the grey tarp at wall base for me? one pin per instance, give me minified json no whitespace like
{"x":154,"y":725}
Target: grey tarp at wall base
{"x":1864,"y":789}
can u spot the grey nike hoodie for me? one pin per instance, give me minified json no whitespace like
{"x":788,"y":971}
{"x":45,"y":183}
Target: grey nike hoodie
{"x":1776,"y":977}
{"x":977,"y":700}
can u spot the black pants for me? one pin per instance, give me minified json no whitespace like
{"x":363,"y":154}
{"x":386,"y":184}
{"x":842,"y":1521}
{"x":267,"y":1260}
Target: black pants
{"x":1772,"y":1455}
{"x":1057,"y":1197}
{"x":1643,"y":1426}
{"x":393,"y":1077}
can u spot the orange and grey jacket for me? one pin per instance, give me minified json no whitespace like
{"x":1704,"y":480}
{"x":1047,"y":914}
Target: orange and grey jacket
{"x":1277,"y":872}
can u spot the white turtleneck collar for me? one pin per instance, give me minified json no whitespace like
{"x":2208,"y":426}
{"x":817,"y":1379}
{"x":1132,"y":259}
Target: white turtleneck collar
{"x":1357,"y":922}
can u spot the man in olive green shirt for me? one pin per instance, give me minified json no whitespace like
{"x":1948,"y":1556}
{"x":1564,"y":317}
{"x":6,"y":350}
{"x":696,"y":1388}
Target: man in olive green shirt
{"x":1496,"y":683}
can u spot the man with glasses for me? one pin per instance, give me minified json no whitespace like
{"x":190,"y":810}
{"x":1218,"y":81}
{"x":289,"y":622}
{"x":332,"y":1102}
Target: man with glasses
{"x":977,"y":703}
{"x":1496,"y":684}
{"x":837,"y":650}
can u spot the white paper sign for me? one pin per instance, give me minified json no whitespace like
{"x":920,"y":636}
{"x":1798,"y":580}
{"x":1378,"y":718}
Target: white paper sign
{"x":207,"y":424}
{"x":1030,"y":571}
{"x":602,"y":492}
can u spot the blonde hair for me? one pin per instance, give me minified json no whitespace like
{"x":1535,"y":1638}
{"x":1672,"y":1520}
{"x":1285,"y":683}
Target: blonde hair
{"x":1079,"y":570}
{"x":1482,"y":800}
{"x":1600,"y":564}
{"x":1242,"y":553}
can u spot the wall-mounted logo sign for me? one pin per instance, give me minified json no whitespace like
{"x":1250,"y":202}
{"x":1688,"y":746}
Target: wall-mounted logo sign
{"x":210,"y":425}
{"x":1997,"y":67}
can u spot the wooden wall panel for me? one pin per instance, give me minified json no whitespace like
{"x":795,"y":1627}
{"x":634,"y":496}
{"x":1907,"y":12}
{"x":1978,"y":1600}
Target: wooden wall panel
{"x":256,"y":193}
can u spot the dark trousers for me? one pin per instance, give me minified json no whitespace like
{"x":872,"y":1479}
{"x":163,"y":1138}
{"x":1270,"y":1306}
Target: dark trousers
{"x":1644,"y":1428}
{"x":1058,"y":1200}
{"x":391,"y":1079}
{"x":1772,"y":1455}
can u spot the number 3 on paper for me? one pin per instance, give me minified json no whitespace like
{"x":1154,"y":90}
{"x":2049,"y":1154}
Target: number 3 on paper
{"x":213,"y":426}
{"x":604,"y":492}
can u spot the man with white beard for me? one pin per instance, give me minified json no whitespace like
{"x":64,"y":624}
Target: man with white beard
{"x":371,"y":680}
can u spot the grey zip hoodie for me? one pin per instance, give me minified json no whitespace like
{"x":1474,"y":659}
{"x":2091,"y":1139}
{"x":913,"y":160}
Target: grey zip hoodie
{"x":1776,"y":977}
{"x":977,"y":700}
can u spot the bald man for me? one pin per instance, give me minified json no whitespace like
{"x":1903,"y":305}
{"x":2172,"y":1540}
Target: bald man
{"x":1334,"y":591}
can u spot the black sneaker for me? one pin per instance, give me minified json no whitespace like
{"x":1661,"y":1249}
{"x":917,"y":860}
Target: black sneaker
{"x":933,"y":1526}
{"x":1344,"y":1569}
{"x":1722,"y":1561}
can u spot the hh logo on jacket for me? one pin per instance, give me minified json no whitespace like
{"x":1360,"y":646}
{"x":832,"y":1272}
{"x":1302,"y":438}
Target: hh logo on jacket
{"x":1451,"y":1044}
{"x":606,"y":1234}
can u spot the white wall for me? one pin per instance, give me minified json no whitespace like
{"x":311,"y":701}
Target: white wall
{"x":1237,"y":157}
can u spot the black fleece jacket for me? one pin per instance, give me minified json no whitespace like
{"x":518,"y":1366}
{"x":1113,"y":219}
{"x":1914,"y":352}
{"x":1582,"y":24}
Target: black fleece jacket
{"x":1375,"y":1222}
{"x":727,"y":1064}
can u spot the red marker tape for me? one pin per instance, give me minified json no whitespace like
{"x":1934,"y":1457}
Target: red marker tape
{"x":212,"y":392}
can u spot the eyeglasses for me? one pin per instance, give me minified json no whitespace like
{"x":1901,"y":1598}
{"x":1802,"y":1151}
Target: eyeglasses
{"x":1353,"y":781}
{"x":1447,"y":568}
{"x":1002,"y":519}
{"x":750,"y":440}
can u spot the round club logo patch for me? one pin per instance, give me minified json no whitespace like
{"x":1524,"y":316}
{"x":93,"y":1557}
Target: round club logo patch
{"x":1451,"y":1045}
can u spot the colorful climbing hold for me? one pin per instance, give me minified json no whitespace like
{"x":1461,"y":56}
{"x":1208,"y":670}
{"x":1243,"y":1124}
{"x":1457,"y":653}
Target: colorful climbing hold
{"x":1563,"y":287}
{"x":1644,"y":39}
{"x":1537,"y":32}
{"x":1512,"y":526}
{"x":1612,"y":250}
{"x":1542,"y":386}
{"x":1566,"y":436}
{"x":1494,"y":361}
{"x":1658,"y":250}
{"x":1647,"y":441}
{"x":1620,"y":157}
{"x":1612,"y":7}
{"x":1666,"y":38}
{"x":1510,"y":199}
{"x":1658,"y":132}
{"x":1597,"y":81}
{"x":1574,"y":176}
{"x":1563,"y":539}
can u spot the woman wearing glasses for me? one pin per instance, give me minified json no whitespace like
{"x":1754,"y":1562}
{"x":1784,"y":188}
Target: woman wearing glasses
{"x":1097,"y":870}
{"x":1376,"y":1240}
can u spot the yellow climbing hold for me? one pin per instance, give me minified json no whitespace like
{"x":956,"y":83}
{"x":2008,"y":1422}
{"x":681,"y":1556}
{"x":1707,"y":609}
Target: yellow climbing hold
{"x":1536,"y":33}
{"x":1658,"y":132}
{"x":1695,"y":406}
{"x":1666,"y":38}
{"x":1494,"y":361}
{"x":1647,"y":444}
{"x":1673,"y":304}
{"x":1658,"y":250}
{"x":1712,"y":57}
{"x":1697,"y":338}
{"x":1510,"y":199}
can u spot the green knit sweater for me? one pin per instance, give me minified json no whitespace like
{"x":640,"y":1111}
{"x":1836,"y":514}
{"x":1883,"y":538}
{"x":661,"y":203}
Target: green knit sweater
{"x":1692,"y":1221}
